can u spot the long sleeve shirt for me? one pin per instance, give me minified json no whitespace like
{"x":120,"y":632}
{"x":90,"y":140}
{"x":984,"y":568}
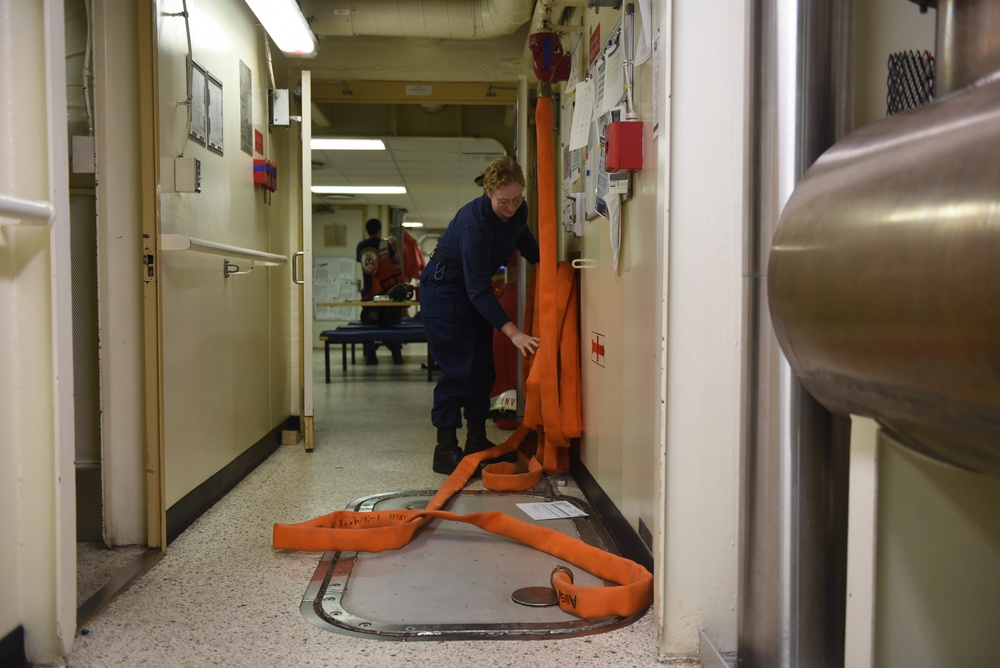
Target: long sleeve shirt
{"x":481,"y":243}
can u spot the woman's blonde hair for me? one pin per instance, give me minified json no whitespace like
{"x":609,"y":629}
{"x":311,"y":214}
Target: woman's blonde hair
{"x":501,"y":172}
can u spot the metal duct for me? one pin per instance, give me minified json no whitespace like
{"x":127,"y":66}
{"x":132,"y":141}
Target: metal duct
{"x":421,"y":19}
{"x":883,"y":270}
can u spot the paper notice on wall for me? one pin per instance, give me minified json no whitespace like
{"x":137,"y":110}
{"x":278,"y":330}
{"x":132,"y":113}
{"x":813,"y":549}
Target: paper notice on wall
{"x":347,"y":268}
{"x":554,"y":510}
{"x":583,"y":111}
{"x":614,"y":80}
{"x":615,"y":220}
{"x":644,"y":47}
{"x":656,"y":87}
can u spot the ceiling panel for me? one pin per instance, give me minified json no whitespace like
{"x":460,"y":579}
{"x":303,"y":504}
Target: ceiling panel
{"x":439,"y":174}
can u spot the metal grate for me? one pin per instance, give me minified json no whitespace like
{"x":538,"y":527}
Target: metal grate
{"x":911,"y":81}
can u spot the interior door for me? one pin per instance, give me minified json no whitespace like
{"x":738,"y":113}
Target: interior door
{"x":156,"y":523}
{"x":306,"y":258}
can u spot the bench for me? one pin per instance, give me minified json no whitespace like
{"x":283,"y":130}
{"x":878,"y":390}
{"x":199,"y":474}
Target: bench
{"x":353,"y":334}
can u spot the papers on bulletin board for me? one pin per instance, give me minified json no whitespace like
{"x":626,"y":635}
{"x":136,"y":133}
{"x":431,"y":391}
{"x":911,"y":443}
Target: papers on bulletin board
{"x":321,"y":273}
{"x":574,"y":66}
{"x":571,"y":159}
{"x":656,"y":87}
{"x":583,"y":112}
{"x":594,"y":155}
{"x":645,"y":46}
{"x":554,"y":510}
{"x":613,"y":79}
{"x":334,"y":280}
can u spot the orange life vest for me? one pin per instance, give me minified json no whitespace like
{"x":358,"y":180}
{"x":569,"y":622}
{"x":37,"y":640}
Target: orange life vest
{"x":385,"y":275}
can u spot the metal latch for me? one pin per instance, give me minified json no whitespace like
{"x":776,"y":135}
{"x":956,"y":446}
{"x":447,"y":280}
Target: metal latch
{"x":149,"y":260}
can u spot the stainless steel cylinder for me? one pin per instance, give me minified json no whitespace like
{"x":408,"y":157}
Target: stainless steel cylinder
{"x":792,"y":579}
{"x":883,"y":270}
{"x":967,"y":43}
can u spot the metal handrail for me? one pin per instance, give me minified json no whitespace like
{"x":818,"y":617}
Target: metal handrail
{"x":13,"y":211}
{"x":182,"y":242}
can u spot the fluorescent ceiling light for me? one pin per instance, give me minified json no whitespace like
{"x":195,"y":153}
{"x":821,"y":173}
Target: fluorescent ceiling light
{"x":412,"y":223}
{"x":284,"y":22}
{"x":321,"y":144}
{"x":359,"y":190}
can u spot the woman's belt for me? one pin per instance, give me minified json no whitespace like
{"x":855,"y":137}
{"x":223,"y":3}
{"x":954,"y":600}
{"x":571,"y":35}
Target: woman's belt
{"x":440,"y":258}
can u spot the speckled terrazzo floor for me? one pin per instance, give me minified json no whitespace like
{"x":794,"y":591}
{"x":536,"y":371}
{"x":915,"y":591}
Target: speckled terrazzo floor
{"x":222,"y":596}
{"x":96,"y":565}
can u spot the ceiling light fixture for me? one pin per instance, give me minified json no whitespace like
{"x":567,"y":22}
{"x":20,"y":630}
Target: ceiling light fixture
{"x":412,"y":223}
{"x":359,"y":190}
{"x":284,"y":22}
{"x":331,"y":144}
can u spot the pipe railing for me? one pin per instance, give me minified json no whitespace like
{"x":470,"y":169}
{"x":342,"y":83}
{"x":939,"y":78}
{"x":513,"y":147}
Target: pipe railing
{"x":182,"y":242}
{"x":15,"y":211}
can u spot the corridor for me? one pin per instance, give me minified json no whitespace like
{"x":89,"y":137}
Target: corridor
{"x":222,"y":596}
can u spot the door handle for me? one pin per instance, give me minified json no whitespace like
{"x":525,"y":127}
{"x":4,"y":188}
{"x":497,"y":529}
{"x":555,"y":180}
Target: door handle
{"x":295,"y":273}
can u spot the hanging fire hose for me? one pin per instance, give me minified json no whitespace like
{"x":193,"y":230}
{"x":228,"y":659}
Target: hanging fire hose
{"x":552,"y":411}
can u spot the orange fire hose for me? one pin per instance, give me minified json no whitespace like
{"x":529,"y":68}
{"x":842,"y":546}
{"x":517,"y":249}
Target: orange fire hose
{"x":553,"y":410}
{"x":347,"y":530}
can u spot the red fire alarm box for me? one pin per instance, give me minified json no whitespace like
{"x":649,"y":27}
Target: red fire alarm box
{"x":623,"y":146}
{"x":265,"y":174}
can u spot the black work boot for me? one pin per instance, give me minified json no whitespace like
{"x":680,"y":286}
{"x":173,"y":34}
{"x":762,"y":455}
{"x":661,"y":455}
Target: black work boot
{"x":475,"y":440}
{"x":447,"y":454}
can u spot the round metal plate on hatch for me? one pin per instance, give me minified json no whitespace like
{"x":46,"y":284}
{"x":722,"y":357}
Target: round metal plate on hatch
{"x":535,"y":597}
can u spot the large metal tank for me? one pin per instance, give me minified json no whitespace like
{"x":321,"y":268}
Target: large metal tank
{"x":884,"y":271}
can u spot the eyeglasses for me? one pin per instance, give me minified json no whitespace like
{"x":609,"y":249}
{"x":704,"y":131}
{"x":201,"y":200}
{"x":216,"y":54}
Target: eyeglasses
{"x":505,"y":203}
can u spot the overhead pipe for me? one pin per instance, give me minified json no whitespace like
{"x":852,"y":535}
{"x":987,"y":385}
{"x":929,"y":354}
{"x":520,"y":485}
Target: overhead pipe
{"x":883,"y":284}
{"x":418,"y":19}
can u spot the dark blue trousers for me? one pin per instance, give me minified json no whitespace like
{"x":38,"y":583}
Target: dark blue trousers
{"x":381,"y":316}
{"x":461,"y":343}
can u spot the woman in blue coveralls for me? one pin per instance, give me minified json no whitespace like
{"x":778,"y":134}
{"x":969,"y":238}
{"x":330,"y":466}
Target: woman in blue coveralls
{"x":460,"y":309}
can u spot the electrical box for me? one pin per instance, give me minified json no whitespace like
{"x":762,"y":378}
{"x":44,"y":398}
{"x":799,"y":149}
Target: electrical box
{"x":279,"y":107}
{"x":187,"y":175}
{"x":623,"y":146}
{"x":265,"y":174}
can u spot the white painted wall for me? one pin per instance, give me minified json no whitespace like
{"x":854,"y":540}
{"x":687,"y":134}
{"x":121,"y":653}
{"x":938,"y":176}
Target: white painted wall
{"x":885,"y":27}
{"x":621,"y":410}
{"x":938,"y":564}
{"x":35,"y":401}
{"x":706,"y":222}
{"x":116,"y":116}
{"x":680,"y":273}
{"x":222,"y":357}
{"x":859,"y":623}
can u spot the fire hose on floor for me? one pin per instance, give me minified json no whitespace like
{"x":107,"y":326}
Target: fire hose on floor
{"x":552,"y":413}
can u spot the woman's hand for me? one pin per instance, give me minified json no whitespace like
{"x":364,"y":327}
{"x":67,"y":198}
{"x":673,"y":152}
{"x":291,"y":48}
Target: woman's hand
{"x":526,"y":343}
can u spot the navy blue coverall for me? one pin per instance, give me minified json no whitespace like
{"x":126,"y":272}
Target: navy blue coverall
{"x":460,"y":309}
